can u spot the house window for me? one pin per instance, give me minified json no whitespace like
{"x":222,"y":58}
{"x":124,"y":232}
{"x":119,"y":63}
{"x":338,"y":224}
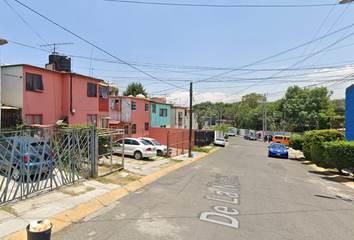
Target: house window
{"x":163,"y":112}
{"x":163,"y":126}
{"x":153,"y":108}
{"x":134,"y":129}
{"x":133,"y":106}
{"x":91,"y":90}
{"x":103,"y":92}
{"x":33,"y":119}
{"x":103,"y":123}
{"x":146,"y":107}
{"x":126,"y":130}
{"x":34,"y":82}
{"x":147,"y":126}
{"x":116,"y":101}
{"x":185,"y":112}
{"x":91,"y":119}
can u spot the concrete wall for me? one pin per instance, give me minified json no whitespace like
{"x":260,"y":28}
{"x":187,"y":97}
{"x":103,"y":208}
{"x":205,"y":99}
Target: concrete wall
{"x":12,"y":86}
{"x":179,"y":138}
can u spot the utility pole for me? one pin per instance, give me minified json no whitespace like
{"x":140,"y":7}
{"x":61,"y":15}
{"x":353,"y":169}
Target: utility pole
{"x":284,"y":116}
{"x":264,"y":115}
{"x":210,"y":117}
{"x":190,"y":119}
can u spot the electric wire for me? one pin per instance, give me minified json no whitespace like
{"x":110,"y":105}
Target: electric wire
{"x":223,"y":5}
{"x":95,"y":46}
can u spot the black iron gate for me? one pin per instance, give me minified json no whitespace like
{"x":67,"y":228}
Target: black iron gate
{"x":203,"y":137}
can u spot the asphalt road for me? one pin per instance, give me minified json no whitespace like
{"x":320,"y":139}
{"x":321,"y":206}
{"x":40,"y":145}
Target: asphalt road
{"x":234,"y":193}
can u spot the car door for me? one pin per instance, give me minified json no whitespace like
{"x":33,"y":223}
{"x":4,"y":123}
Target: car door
{"x":118,"y":149}
{"x":128,"y":147}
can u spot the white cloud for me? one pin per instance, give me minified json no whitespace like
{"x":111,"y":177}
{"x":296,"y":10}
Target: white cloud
{"x":182,"y":98}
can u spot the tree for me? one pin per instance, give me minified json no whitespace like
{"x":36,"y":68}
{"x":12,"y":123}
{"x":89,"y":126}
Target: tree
{"x":135,"y":89}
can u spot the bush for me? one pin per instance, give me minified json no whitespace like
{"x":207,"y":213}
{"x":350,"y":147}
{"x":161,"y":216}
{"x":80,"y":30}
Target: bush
{"x":226,"y":137}
{"x":306,"y":147}
{"x":296,"y":141}
{"x":339,"y":154}
{"x":314,"y":145}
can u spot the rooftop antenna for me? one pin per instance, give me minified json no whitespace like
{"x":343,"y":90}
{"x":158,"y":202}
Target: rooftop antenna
{"x":53,"y":44}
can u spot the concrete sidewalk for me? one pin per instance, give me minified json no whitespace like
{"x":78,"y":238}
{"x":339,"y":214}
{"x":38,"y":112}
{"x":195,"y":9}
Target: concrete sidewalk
{"x":70,"y":204}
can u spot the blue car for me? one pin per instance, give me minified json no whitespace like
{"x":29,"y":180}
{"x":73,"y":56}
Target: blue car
{"x":278,"y":150}
{"x":25,"y":156}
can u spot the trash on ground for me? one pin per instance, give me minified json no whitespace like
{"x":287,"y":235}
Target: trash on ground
{"x":40,"y":226}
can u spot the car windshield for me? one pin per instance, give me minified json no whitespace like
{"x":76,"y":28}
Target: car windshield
{"x":278,"y":146}
{"x":156,"y":142}
{"x":219,"y":139}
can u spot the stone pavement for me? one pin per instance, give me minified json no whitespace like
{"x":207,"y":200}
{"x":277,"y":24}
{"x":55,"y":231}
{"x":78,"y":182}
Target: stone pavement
{"x":70,"y":204}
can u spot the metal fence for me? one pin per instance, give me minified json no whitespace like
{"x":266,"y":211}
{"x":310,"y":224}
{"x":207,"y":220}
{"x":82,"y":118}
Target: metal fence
{"x":44,"y":158}
{"x":104,"y":147}
{"x":203,"y":137}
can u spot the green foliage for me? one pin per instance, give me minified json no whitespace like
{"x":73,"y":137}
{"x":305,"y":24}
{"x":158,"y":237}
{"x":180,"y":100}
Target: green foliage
{"x":226,"y":137}
{"x":201,"y":149}
{"x":135,"y":89}
{"x":313,"y":147}
{"x":296,"y":141}
{"x":224,"y":128}
{"x":339,"y":154}
{"x":337,"y":122}
{"x":323,"y":121}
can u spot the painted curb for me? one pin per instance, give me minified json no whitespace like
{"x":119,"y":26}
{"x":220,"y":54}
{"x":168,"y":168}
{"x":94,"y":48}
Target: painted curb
{"x":68,"y":217}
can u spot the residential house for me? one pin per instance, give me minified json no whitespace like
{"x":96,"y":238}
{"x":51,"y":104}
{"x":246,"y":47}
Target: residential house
{"x":160,"y":113}
{"x":178,"y":116}
{"x":131,"y":114}
{"x":49,"y":96}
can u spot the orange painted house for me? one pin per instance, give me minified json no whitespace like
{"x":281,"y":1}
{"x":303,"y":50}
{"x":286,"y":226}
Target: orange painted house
{"x":46,"y":96}
{"x":131,"y":114}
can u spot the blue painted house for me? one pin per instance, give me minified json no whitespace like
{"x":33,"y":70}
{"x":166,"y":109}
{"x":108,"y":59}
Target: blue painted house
{"x":349,"y":113}
{"x":160,"y":113}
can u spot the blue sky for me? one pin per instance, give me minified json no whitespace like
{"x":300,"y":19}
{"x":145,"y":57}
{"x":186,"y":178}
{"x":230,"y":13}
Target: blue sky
{"x":225,"y":51}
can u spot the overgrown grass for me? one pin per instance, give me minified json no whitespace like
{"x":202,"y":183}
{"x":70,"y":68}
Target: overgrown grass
{"x":177,"y":161}
{"x":201,"y":149}
{"x":9,"y":209}
{"x":72,"y":193}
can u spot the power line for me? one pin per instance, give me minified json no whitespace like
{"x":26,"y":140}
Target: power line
{"x":88,"y":42}
{"x":224,"y":5}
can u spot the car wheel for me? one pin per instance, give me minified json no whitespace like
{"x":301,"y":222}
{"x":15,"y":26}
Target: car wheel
{"x":16,"y":173}
{"x":138,"y":155}
{"x":159,"y":153}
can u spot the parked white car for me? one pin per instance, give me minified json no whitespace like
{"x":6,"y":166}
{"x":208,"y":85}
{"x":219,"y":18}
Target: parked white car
{"x":219,"y":142}
{"x":161,"y":149}
{"x":135,"y":147}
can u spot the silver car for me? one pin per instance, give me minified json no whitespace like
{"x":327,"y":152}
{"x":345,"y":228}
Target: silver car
{"x":161,"y":149}
{"x":135,"y":147}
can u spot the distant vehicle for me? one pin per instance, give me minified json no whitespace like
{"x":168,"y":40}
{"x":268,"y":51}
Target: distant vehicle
{"x":281,"y":139}
{"x":278,"y":150}
{"x":246,"y":137}
{"x":25,"y":156}
{"x":230,"y":134}
{"x":251,"y":137}
{"x":160,"y":149}
{"x":135,"y":147}
{"x":219,"y":142}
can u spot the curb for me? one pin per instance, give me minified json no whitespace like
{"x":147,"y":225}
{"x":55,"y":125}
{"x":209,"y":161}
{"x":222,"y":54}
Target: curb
{"x":68,"y":217}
